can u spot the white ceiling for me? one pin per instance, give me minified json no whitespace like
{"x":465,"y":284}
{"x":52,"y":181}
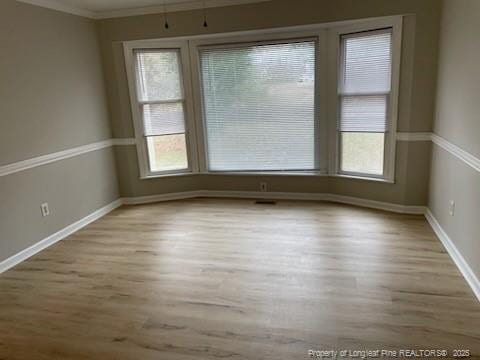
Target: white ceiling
{"x":100,"y":9}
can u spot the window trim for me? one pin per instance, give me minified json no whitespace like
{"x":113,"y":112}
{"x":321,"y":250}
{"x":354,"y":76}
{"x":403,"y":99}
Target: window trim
{"x":342,"y":94}
{"x":326,"y":93}
{"x":260,"y":38}
{"x":316,"y":117}
{"x":389,"y":163}
{"x":140,"y":140}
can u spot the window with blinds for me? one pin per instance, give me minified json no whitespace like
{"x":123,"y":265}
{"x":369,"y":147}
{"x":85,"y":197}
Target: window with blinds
{"x":364,"y":90}
{"x":161,"y":99}
{"x":259,"y":106}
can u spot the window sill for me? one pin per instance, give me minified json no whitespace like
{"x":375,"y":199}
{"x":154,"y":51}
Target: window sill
{"x":267,"y":173}
{"x":272,"y":173}
{"x":166,"y":175}
{"x":365,"y":178}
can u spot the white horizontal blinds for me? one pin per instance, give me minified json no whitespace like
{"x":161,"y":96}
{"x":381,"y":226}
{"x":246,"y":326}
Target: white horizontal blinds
{"x":365,"y":81}
{"x":259,"y":106}
{"x":364,"y":89}
{"x":163,"y":119}
{"x":364,"y":113}
{"x":160,"y":77}
{"x":367,"y":62}
{"x":161,"y":99}
{"x":160,"y":91}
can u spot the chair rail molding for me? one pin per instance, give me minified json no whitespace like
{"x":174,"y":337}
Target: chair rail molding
{"x":469,"y":159}
{"x":456,"y":151}
{"x":22,"y":165}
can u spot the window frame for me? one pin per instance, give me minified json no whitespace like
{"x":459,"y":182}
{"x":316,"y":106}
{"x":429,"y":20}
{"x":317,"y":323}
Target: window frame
{"x":319,"y":36}
{"x":335,"y":37}
{"x":326,"y":93}
{"x":268,"y":39}
{"x":130,"y":48}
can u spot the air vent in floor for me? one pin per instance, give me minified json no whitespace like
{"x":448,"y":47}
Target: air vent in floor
{"x":265,"y":202}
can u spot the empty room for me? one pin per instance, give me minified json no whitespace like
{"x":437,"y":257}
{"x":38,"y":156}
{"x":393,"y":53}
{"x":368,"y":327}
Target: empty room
{"x":239,"y":179}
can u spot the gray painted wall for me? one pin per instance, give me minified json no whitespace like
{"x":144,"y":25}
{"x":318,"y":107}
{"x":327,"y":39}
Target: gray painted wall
{"x":412,"y":171}
{"x":457,"y":120}
{"x":416,"y":103}
{"x":74,"y":188}
{"x":52,"y":98}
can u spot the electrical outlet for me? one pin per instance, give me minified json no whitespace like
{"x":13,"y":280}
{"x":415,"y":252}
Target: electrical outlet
{"x":263,"y":186}
{"x":451,"y":208}
{"x":45,"y":209}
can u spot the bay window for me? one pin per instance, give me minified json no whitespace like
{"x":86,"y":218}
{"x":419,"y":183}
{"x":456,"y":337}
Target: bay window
{"x":265,"y":103}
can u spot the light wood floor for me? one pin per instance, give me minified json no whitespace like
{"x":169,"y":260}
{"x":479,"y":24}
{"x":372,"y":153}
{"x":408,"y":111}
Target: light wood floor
{"x":228,"y":279}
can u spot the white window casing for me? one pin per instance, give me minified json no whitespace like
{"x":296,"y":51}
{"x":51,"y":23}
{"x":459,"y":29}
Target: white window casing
{"x":161,"y":107}
{"x":365,"y":104}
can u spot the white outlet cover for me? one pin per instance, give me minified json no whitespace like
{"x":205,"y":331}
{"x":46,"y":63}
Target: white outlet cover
{"x":45,"y":209}
{"x":451,"y":208}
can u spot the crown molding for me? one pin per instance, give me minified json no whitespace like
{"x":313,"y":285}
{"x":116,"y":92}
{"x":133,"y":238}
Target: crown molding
{"x":157,"y":9}
{"x":58,"y":6}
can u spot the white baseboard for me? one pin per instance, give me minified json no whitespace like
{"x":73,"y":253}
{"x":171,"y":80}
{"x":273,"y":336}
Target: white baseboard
{"x":397,"y":208}
{"x":404,"y":209}
{"x":457,"y":258}
{"x":70,"y":229}
{"x":455,"y":254}
{"x":59,"y":235}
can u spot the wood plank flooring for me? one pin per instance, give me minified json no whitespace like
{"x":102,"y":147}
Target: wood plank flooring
{"x":230,"y":279}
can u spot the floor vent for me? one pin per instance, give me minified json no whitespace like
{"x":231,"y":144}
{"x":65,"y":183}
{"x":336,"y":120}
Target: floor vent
{"x":265,"y":202}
